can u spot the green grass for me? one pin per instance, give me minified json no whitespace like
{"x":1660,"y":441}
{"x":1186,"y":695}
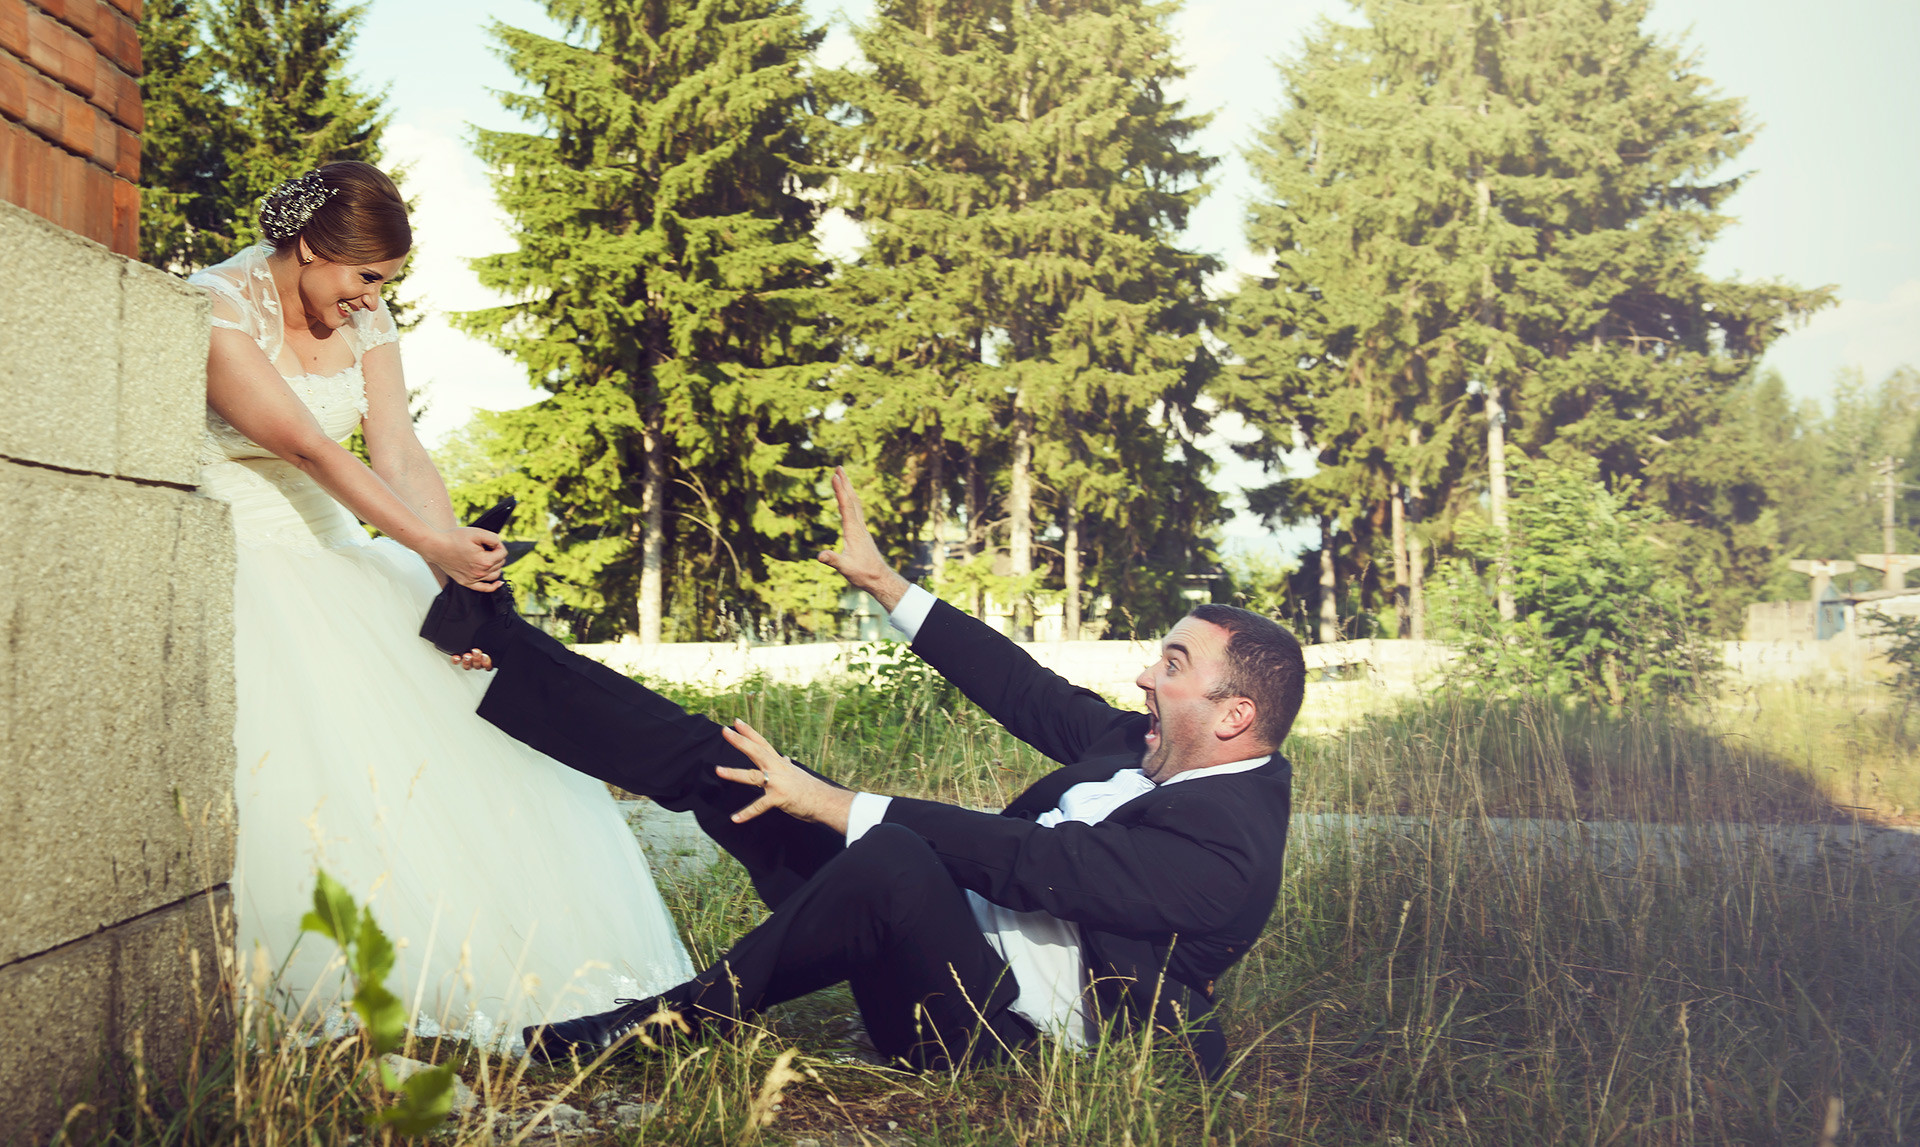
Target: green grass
{"x":909,"y":732}
{"x":1443,"y":985}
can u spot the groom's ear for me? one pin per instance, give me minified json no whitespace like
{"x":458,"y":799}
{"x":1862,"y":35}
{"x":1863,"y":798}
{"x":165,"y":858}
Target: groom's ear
{"x":1237,"y":718}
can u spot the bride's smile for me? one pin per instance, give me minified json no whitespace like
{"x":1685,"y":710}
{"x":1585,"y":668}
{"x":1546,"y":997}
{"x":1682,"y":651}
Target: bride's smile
{"x":330,"y":293}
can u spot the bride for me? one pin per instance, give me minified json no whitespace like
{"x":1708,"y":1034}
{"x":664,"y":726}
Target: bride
{"x":510,"y":883}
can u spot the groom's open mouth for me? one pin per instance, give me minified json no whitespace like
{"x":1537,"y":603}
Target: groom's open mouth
{"x":1153,"y":730}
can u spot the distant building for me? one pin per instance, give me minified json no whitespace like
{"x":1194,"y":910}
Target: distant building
{"x":1820,"y":620}
{"x":1861,"y":609}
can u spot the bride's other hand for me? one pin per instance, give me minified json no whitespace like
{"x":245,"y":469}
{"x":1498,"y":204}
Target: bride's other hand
{"x":471,"y":557}
{"x":472,"y":659}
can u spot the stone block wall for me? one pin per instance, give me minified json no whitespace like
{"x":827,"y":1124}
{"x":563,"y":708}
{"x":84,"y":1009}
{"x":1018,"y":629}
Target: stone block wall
{"x":1780,"y":621}
{"x":116,"y":673}
{"x":71,"y":117}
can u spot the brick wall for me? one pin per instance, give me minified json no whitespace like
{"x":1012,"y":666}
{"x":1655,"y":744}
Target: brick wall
{"x":70,"y":115}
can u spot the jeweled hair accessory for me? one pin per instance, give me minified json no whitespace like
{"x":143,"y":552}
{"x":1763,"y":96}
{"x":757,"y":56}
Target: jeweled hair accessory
{"x":287,"y":208}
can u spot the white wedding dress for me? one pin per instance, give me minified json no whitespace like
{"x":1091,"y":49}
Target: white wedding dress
{"x":512,"y":885}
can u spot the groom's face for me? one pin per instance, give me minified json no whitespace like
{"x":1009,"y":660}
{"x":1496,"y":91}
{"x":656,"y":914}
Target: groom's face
{"x":1177,"y":684}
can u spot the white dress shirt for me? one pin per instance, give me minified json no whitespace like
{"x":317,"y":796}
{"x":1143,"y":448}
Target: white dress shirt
{"x":1042,"y":950}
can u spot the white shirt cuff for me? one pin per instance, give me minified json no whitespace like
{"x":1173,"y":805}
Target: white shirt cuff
{"x":868,"y":810}
{"x":911,"y":611}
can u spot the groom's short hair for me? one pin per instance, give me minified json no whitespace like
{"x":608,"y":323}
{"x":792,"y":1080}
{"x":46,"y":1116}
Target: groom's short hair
{"x":1263,"y":664}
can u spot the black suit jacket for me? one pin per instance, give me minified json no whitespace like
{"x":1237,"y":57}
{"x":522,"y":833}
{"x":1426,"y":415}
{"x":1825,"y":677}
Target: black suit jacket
{"x":1168,"y":891}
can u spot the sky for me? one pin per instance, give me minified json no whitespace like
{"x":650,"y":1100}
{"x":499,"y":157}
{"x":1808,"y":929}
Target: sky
{"x":1830,"y":197}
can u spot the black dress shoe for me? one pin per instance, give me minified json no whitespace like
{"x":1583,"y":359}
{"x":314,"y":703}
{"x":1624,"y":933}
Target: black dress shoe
{"x":458,"y":612}
{"x":588,"y":1036}
{"x":495,"y":519}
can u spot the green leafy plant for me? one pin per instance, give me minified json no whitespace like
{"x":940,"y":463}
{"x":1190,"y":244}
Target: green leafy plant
{"x":1260,"y":582}
{"x":1902,"y":652}
{"x":889,"y":676}
{"x":424,"y":1099}
{"x":1599,"y":613}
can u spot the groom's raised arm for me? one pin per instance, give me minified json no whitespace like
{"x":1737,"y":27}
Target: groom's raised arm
{"x":1035,"y":704}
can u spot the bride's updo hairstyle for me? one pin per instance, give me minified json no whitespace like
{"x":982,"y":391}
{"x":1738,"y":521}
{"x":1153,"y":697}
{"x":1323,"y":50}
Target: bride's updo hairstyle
{"x":348,"y":212}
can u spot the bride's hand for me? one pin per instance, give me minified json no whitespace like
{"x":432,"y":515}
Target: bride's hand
{"x":471,"y":557}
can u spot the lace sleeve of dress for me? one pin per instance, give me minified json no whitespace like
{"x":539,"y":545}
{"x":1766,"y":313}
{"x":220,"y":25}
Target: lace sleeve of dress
{"x":375,"y":327}
{"x":229,"y":313}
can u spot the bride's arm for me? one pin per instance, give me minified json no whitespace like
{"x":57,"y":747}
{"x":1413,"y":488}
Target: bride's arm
{"x":245,"y":389}
{"x":398,"y":457}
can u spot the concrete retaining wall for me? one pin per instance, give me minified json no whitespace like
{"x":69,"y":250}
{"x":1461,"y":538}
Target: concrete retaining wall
{"x":1336,"y":669}
{"x":1108,"y":667}
{"x":116,"y":674}
{"x":1761,"y":662}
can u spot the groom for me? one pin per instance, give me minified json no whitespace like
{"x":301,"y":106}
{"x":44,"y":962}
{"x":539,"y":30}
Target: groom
{"x":1119,"y":886}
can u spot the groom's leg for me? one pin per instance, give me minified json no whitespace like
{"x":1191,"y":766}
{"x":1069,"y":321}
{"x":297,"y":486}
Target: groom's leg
{"x":600,"y":722}
{"x":609,"y":726}
{"x":887,"y":917}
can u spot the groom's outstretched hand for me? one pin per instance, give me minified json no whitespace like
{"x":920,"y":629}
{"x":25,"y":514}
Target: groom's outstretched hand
{"x":783,"y":784}
{"x":858,"y":559}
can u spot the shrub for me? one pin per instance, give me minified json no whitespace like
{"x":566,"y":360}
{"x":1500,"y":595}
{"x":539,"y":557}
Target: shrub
{"x":1597,"y":613}
{"x":1902,"y":652}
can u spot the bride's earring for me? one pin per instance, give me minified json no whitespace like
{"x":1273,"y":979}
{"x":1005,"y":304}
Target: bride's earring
{"x":306,"y":256}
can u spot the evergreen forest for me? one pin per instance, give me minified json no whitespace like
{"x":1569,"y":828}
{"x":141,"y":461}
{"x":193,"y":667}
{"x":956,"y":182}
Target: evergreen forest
{"x":1483,"y":226}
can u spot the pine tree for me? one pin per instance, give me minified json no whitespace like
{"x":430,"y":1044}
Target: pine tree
{"x":1500,"y":204}
{"x":924,"y":414}
{"x":240,"y":95}
{"x":282,"y":66}
{"x":1022,"y":179}
{"x":187,"y":149}
{"x":1329,"y":344}
{"x":667,"y":288}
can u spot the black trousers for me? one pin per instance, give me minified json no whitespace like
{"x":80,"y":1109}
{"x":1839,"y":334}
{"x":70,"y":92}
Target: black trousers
{"x":883,"y":914}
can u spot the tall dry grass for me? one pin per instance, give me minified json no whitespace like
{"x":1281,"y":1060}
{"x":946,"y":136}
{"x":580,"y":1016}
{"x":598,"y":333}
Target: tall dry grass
{"x":1434,"y":972}
{"x":1853,"y":739}
{"x":1467,"y":978}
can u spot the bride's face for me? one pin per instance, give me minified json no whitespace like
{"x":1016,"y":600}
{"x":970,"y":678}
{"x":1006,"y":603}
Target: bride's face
{"x":331,"y":292}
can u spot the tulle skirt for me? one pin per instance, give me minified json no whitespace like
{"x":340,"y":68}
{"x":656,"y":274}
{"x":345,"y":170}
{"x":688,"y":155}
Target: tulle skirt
{"x":511,"y":884}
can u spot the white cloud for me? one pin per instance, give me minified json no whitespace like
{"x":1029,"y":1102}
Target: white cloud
{"x":1875,"y":335}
